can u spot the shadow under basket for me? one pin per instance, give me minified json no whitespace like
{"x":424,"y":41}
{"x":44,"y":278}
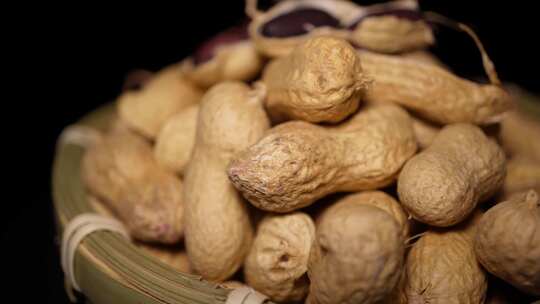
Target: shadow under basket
{"x":109,"y":268}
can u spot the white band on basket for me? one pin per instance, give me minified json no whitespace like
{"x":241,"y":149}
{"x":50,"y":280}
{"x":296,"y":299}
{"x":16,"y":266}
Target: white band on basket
{"x":79,"y":135}
{"x":77,"y":229}
{"x":245,"y":295}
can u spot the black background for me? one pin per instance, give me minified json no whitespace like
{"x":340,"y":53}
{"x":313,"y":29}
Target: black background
{"x":74,"y":59}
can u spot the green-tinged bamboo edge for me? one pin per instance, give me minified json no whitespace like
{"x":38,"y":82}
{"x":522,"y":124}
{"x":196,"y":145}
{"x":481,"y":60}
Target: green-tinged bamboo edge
{"x":129,"y":275}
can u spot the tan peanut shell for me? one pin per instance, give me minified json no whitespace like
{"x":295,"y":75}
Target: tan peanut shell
{"x":168,"y":92}
{"x":357,"y":255}
{"x":507,"y":241}
{"x":392,"y":34}
{"x":297,"y":163}
{"x":443,"y":184}
{"x":176,"y":140}
{"x":520,"y":135}
{"x":521,"y":174}
{"x":218,"y":228}
{"x":442,"y":268}
{"x":382,"y":201}
{"x":431,"y":91}
{"x":120,"y":170}
{"x":277,"y":263}
{"x":424,"y":131}
{"x":320,"y":81}
{"x":174,"y":257}
{"x":237,"y":61}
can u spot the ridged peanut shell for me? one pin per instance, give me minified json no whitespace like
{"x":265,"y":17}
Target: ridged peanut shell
{"x":443,"y":184}
{"x":507,"y":241}
{"x":277,"y":263}
{"x":320,"y":81}
{"x":218,"y":228}
{"x":297,"y":163}
{"x":357,"y":256}
{"x":120,"y":170}
{"x":442,"y":268}
{"x":433,"y":92}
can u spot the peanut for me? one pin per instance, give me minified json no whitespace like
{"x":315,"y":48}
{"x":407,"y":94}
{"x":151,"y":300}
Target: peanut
{"x":521,"y":174}
{"x":297,"y":163}
{"x":507,"y":241}
{"x":442,"y":268}
{"x":121,"y":170}
{"x":424,"y":132}
{"x":146,"y":110}
{"x":320,"y":81}
{"x":218,"y":229}
{"x":382,"y":201}
{"x":443,"y":184}
{"x":357,"y":255}
{"x":392,"y":34}
{"x":176,"y":139}
{"x":520,"y":135}
{"x":432,"y":92}
{"x":277,"y":263}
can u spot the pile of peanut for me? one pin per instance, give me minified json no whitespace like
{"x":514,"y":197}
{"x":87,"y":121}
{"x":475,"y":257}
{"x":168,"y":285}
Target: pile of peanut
{"x":322,"y":154}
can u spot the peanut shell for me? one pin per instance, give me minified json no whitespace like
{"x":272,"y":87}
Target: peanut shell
{"x":277,"y":263}
{"x":392,"y":34}
{"x":167,"y":93}
{"x":176,"y":139}
{"x":433,"y":92}
{"x":120,"y":170}
{"x":218,"y":228}
{"x":320,"y":81}
{"x":357,"y":255}
{"x":520,"y":135}
{"x":384,"y":202}
{"x":442,"y":268}
{"x":443,"y":184}
{"x":507,"y":241}
{"x":297,"y":163}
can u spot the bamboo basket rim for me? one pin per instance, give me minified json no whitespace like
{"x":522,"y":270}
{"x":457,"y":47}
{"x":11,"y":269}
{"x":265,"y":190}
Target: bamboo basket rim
{"x":109,"y":268}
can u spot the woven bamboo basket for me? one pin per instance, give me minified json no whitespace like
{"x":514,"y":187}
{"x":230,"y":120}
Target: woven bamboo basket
{"x":109,"y":268}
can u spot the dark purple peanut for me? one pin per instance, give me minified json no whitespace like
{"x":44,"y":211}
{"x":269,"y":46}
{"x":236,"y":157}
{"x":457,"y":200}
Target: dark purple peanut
{"x":298,"y":22}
